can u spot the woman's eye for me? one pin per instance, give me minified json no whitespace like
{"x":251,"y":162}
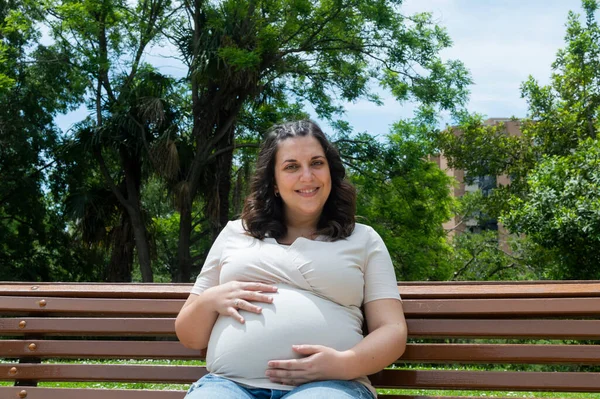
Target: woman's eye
{"x":318,"y":163}
{"x":291,"y":167}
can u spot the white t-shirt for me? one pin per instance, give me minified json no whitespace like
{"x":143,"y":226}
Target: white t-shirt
{"x":322,"y":286}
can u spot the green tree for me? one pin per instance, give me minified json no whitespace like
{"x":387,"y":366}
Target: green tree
{"x":405,"y":197}
{"x":34,"y":241}
{"x":564,"y":113}
{"x":549,"y":199}
{"x":254,"y":51}
{"x":108,"y":40}
{"x":562,"y":210}
{"x":559,"y":209}
{"x":96,"y":217}
{"x":487,"y":150}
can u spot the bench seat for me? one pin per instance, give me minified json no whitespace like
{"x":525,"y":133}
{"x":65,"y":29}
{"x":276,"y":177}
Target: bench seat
{"x":527,"y":337}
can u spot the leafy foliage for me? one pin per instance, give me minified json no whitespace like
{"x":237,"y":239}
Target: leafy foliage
{"x":34,"y":244}
{"x":562,"y":210}
{"x":552,"y":197}
{"x":243,"y":55}
{"x":76,"y":204}
{"x":406,"y":199}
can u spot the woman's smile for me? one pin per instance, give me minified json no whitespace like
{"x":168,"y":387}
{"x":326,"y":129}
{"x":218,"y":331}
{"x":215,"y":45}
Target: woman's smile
{"x":310,"y":192}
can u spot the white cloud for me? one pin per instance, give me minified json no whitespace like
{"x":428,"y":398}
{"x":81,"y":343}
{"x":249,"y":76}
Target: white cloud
{"x":501,"y":43}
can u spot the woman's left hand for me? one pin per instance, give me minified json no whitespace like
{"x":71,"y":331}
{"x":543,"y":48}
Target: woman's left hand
{"x":320,"y":363}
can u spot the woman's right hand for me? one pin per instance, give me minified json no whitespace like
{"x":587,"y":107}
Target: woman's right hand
{"x":233,"y":296}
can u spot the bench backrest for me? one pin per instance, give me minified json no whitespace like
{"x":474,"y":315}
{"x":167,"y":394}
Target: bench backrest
{"x":526,"y":327}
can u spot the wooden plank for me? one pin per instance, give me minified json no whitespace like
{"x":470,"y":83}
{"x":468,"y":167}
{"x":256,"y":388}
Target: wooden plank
{"x":555,"y":307}
{"x":417,"y":328}
{"x":55,"y":305}
{"x":502,"y":354}
{"x":15,"y":349}
{"x":488,"y":380}
{"x":408,"y":290}
{"x":101,"y":372}
{"x":498,"y":328}
{"x":416,"y":353}
{"x":102,"y":290}
{"x":499,"y":289}
{"x":78,"y":393}
{"x":419,"y":379}
{"x":87,"y":326}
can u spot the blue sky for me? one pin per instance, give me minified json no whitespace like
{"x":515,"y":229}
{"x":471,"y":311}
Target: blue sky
{"x":501,"y":42}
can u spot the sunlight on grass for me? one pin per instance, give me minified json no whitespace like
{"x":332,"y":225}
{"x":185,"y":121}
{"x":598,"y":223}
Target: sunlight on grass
{"x":489,"y":394}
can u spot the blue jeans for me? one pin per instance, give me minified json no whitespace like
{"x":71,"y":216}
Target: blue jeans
{"x":213,"y":387}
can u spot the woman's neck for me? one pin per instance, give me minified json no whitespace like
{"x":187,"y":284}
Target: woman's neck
{"x":296,"y":229}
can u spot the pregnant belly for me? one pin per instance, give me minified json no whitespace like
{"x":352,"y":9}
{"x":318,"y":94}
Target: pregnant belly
{"x":295,"y":317}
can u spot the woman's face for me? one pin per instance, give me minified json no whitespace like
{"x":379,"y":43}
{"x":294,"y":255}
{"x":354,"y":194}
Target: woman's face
{"x":302,"y":178}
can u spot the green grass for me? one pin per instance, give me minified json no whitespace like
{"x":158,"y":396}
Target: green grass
{"x":490,"y":394}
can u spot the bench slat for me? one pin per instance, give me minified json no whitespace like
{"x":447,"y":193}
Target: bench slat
{"x":499,"y":289}
{"x":488,"y":380}
{"x":441,"y":289}
{"x":140,"y":307}
{"x":554,"y":307}
{"x":98,"y":349}
{"x":491,"y":353}
{"x":415,"y":353}
{"x":498,"y":328}
{"x":102,"y":372}
{"x":103,"y":290}
{"x":433,"y":379}
{"x":76,"y":393}
{"x":430,"y":328}
{"x":88,"y":326}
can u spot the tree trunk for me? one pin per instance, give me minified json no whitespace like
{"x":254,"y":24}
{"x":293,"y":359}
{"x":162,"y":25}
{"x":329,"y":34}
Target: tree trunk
{"x":215,"y":191}
{"x":184,"y":274}
{"x":141,"y":244}
{"x":121,"y":259}
{"x":133,"y":171}
{"x":219,"y":184}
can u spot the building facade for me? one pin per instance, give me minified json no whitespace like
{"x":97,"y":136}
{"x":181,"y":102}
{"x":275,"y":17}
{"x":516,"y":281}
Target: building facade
{"x":484,"y":184}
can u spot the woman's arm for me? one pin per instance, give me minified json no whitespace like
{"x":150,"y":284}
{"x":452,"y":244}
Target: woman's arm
{"x":195,"y":321}
{"x":384,"y":344}
{"x":198,"y":315}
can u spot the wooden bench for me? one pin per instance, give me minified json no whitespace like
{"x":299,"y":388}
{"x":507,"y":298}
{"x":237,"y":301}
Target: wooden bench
{"x":450,"y":325}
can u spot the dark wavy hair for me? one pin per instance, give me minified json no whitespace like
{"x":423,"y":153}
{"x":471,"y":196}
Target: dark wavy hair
{"x":263,"y":216}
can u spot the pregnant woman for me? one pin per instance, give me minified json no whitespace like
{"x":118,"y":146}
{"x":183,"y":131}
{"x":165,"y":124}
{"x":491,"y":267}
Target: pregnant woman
{"x":279,"y":302}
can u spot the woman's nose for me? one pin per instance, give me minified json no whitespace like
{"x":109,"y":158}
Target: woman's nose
{"x":306,"y":174}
